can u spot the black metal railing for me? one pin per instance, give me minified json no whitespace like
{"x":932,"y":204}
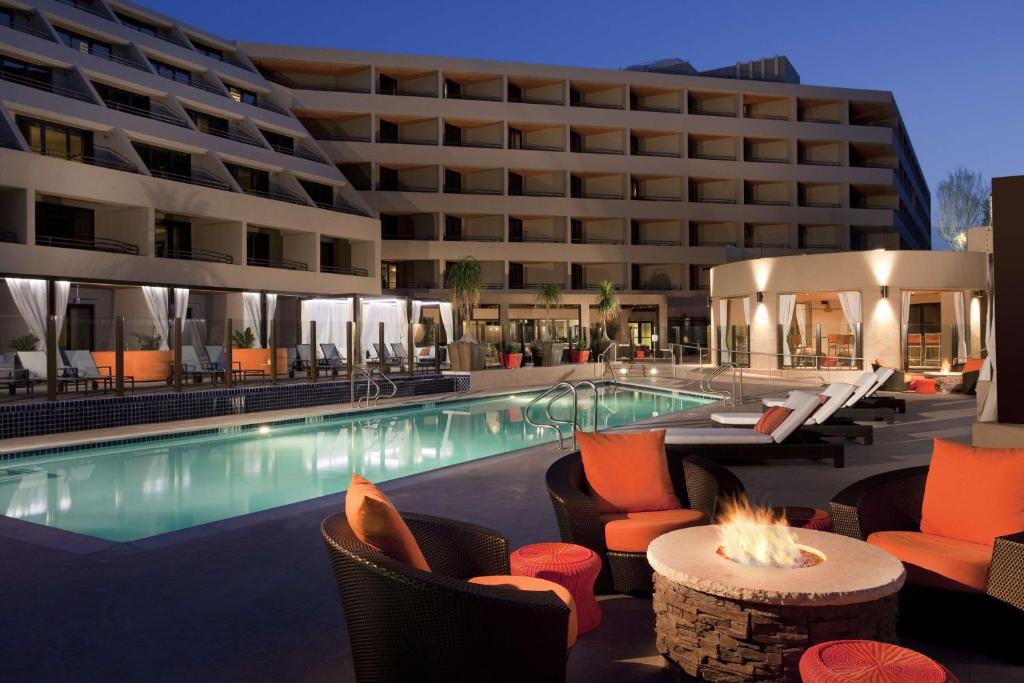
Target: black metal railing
{"x":537,"y":193}
{"x":402,"y":187}
{"x":588,"y":286}
{"x":196,"y":82}
{"x":341,"y":137}
{"x":865,"y":163}
{"x":539,"y":239}
{"x":656,"y":198}
{"x":535,"y":100}
{"x":815,"y":162}
{"x":812,"y":119}
{"x":657,"y":243}
{"x":698,"y":199}
{"x":492,"y":285}
{"x":83,"y":8}
{"x":470,"y":143}
{"x":108,"y":55}
{"x":233,"y":133}
{"x":770,"y":117}
{"x":473,"y":238}
{"x":471,"y":190}
{"x":95,"y":244}
{"x":101,"y":156}
{"x":276,"y":193}
{"x":597,"y":105}
{"x":156,"y":111}
{"x":406,"y":92}
{"x":656,"y":286}
{"x":341,"y":206}
{"x":712,"y":243}
{"x":701,"y":111}
{"x":768,"y":160}
{"x":712,"y":157}
{"x":44,"y":85}
{"x":30,"y":30}
{"x":767,"y":202}
{"x":820,"y":247}
{"x":597,"y":240}
{"x":478,"y":98}
{"x":283,"y":263}
{"x":298,"y":151}
{"x":344,"y":270}
{"x":412,"y":284}
{"x":197,"y":176}
{"x":597,"y":150}
{"x":597,"y":195}
{"x":537,"y":147}
{"x":821,"y":205}
{"x":656,"y":109}
{"x":281,"y":79}
{"x":403,"y":140}
{"x":653,"y":153}
{"x":195,"y":255}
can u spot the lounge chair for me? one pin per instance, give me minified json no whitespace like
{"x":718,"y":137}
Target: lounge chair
{"x":332,"y":357}
{"x":388,"y":359}
{"x":399,"y":350}
{"x":863,"y":404}
{"x":822,"y":421}
{"x":786,"y":441}
{"x":198,"y":366}
{"x":33,"y":364}
{"x":12,"y":376}
{"x":304,"y":358}
{"x":85,"y":368}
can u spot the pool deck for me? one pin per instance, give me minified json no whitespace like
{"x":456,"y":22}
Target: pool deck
{"x":256,"y":601}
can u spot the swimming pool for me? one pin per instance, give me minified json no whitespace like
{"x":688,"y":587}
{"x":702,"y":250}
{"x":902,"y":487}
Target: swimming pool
{"x":125,"y":492}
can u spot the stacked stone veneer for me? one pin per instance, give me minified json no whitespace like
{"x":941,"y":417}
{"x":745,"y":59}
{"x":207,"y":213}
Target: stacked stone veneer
{"x":712,"y":638}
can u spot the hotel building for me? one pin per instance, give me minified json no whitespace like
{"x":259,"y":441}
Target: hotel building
{"x":137,"y":151}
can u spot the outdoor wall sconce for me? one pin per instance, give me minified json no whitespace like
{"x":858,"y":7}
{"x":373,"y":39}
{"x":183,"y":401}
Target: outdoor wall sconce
{"x":978,"y":293}
{"x":760,"y":297}
{"x":885,"y":291}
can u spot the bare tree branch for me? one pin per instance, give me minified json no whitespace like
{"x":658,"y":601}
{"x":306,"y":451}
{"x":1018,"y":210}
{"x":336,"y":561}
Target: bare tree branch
{"x":962,"y":204}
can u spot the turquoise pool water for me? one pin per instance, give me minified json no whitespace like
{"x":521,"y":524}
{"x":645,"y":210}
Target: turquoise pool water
{"x":128,"y":492}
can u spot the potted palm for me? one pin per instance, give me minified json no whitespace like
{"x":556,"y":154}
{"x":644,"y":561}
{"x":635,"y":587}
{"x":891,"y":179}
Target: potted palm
{"x":510,"y":357}
{"x":546,"y":351}
{"x":464,"y":281}
{"x":607,"y":305}
{"x":580,"y":352}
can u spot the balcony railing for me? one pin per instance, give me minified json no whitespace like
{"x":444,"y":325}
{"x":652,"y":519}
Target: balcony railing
{"x":535,"y":100}
{"x":699,"y":199}
{"x":539,"y":239}
{"x":701,"y":111}
{"x":196,"y":82}
{"x":597,"y":195}
{"x":471,"y":190}
{"x":656,"y":109}
{"x":597,"y":150}
{"x":597,"y":240}
{"x":712,"y":243}
{"x":473,"y":238}
{"x":814,"y":162}
{"x":537,"y":147}
{"x":95,"y":244}
{"x":44,"y":85}
{"x":597,"y":105}
{"x":820,"y":247}
{"x":478,"y":98}
{"x":589,"y":286}
{"x":407,"y":92}
{"x":90,"y":48}
{"x":283,"y":263}
{"x":402,"y":187}
{"x":233,"y":133}
{"x":767,"y":202}
{"x":653,"y":153}
{"x":492,"y":285}
{"x":197,"y":176}
{"x":277,"y":193}
{"x":281,"y":79}
{"x":83,"y":8}
{"x":341,"y":206}
{"x":656,"y":286}
{"x":769,"y":117}
{"x":207,"y":255}
{"x":821,"y":205}
{"x":767,"y":160}
{"x":101,"y":156}
{"x":403,"y":140}
{"x":537,"y":193}
{"x":344,"y":270}
{"x":812,"y":119}
{"x":30,"y":30}
{"x":156,"y":111}
{"x":657,"y":198}
{"x":657,"y":243}
{"x":712,"y":157}
{"x":299,"y":152}
{"x":470,"y":143}
{"x":534,"y":285}
{"x":412,"y":284}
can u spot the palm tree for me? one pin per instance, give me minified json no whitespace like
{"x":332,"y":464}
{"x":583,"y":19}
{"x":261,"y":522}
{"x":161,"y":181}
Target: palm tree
{"x":549,"y":296}
{"x":463,"y":281}
{"x":607,"y":303}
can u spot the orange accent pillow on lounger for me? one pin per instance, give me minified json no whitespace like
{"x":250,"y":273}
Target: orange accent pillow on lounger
{"x":376,"y":522}
{"x":627,"y":472}
{"x":973,"y":494}
{"x":772,"y":418}
{"x":973,"y":365}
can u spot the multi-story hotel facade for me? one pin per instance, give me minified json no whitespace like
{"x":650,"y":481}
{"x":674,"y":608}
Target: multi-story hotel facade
{"x":139,"y":151}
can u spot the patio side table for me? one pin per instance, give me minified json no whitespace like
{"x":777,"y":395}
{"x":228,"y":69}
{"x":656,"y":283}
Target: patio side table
{"x":572,"y":566}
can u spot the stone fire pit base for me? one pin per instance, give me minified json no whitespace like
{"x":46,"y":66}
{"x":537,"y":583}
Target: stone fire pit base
{"x":713,"y":638}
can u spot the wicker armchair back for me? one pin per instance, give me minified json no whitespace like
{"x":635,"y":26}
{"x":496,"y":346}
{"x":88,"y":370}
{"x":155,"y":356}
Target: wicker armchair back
{"x":409,"y":625}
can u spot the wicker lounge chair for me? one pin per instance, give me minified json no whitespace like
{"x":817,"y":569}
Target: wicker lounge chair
{"x":409,"y":625}
{"x":822,"y":421}
{"x":699,"y":484}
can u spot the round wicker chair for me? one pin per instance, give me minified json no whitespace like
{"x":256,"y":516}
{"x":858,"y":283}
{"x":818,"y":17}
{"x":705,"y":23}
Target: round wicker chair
{"x":699,"y":484}
{"x":409,"y":625}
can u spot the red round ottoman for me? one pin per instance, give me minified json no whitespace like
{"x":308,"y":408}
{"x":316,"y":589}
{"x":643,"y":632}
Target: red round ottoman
{"x":867,"y":661}
{"x":572,"y":566}
{"x":805,"y":518}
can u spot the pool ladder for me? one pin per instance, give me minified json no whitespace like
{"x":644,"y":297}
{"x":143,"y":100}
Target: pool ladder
{"x":552,"y":394}
{"x":374,"y":392}
{"x":734,"y":397}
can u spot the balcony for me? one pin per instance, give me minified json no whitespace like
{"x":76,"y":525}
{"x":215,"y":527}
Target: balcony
{"x":221,"y":128}
{"x":282,"y":263}
{"x":341,"y":206}
{"x":536,"y":91}
{"x":466,"y":86}
{"x":536,"y":137}
{"x":104,"y":244}
{"x":406,"y":130}
{"x":407,"y":178}
{"x":652,"y":188}
{"x":873,"y":156}
{"x":712,"y":147}
{"x":275,"y":192}
{"x":819,"y":111}
{"x":536,"y":229}
{"x":766,"y":150}
{"x":653,"y":143}
{"x":25,"y":22}
{"x":819,"y":153}
{"x":87,"y":6}
{"x":344,"y":270}
{"x":164,"y":32}
{"x":714,"y":234}
{"x":474,"y":228}
{"x":407,"y":83}
{"x":596,"y":95}
{"x":820,"y":237}
{"x":587,"y":140}
{"x":341,"y":127}
{"x":766,"y":107}
{"x":766,"y":193}
{"x":408,"y":226}
{"x":104,"y":157}
{"x":527,"y":183}
{"x":597,"y":186}
{"x":326,"y":78}
{"x":711,"y":104}
{"x":657,"y":233}
{"x":207,"y":255}
{"x":179,"y":75}
{"x":597,"y":231}
{"x":820,"y":195}
{"x":880,"y":114}
{"x":658,"y":100}
{"x":770,"y":235}
{"x":196,"y":176}
{"x":464,"y":133}
{"x":137,"y":105}
{"x":713,"y":191}
{"x":40,"y":78}
{"x":874,"y":197}
{"x":486,"y":181}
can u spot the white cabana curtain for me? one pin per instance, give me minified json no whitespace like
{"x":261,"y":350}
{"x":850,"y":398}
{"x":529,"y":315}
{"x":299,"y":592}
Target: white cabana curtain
{"x":801,"y":325}
{"x":396,"y":324}
{"x":787,"y":306}
{"x":331,"y":316}
{"x":156,"y":302}
{"x":905,"y":295}
{"x":850,"y":301}
{"x":181,"y":310}
{"x":448,"y":320}
{"x":962,"y":334}
{"x":723,"y":331}
{"x":30,"y":298}
{"x":989,"y":410}
{"x":746,"y":311}
{"x":417,"y":311}
{"x":253,"y":314}
{"x":271,"y":311}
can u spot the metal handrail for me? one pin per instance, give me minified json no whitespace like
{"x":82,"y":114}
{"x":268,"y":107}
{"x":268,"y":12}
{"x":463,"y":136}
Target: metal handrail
{"x":277,"y":193}
{"x":45,"y":86}
{"x":95,"y":244}
{"x":370,"y":396}
{"x":197,"y":176}
{"x":540,"y":425}
{"x":286,"y":264}
{"x":344,"y":270}
{"x":166,"y":116}
{"x":111,"y":158}
{"x":30,"y":30}
{"x":233,"y":133}
{"x":196,"y":255}
{"x":384,"y":376}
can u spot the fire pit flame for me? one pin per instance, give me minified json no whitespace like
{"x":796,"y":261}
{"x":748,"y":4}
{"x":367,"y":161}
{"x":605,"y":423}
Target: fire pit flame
{"x":756,"y":537}
{"x":945,"y":366}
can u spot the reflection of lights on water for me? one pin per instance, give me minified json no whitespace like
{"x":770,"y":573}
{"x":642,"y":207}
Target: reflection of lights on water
{"x":428,"y":452}
{"x":655,"y":413}
{"x":653,"y":371}
{"x":263,"y":430}
{"x":623,"y":371}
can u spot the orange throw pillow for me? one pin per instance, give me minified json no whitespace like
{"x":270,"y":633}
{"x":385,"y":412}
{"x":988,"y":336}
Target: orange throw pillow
{"x":376,"y":522}
{"x":973,"y":365}
{"x":627,"y":472}
{"x":772,"y":418}
{"x":974,"y":494}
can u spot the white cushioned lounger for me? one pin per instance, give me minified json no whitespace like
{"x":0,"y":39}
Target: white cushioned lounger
{"x":803,"y":404}
{"x":838,"y":394}
{"x":861,"y":386}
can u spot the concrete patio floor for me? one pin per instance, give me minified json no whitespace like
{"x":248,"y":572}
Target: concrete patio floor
{"x":242,"y":601}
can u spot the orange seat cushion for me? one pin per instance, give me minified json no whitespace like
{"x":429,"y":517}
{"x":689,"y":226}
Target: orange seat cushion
{"x":632,"y":532}
{"x":938,"y":561}
{"x":973,"y":364}
{"x":376,"y":522}
{"x":530,"y":583}
{"x":974,"y":494}
{"x":627,"y":472}
{"x":868,"y":661}
{"x":924,"y":385}
{"x":771,"y":419}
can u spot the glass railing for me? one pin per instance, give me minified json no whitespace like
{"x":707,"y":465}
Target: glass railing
{"x":156,"y":111}
{"x":101,"y":156}
{"x":821,"y":346}
{"x":197,"y":176}
{"x":47,"y":86}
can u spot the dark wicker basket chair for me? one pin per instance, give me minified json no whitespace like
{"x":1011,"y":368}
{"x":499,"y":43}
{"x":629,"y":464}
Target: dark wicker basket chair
{"x":892,"y":501}
{"x":409,"y":625}
{"x":699,"y":484}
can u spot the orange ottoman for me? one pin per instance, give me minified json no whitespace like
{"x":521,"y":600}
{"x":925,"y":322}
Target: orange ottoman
{"x":571,"y":566}
{"x":805,"y":518}
{"x":867,"y":661}
{"x":924,"y":385}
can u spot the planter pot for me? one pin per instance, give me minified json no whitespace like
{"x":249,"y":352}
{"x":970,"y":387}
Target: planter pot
{"x":511,"y":360}
{"x":467,"y":356}
{"x":579,"y":356}
{"x":548,"y":353}
{"x":598,"y":347}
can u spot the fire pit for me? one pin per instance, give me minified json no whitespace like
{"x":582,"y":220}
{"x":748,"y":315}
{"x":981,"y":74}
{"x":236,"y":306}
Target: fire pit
{"x":742,"y":600}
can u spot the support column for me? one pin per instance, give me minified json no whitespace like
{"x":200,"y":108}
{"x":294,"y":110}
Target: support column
{"x":503,"y":322}
{"x":119,"y":355}
{"x":272,"y":343}
{"x":229,"y":377}
{"x":177,"y":354}
{"x":51,"y":356}
{"x":313,"y":368}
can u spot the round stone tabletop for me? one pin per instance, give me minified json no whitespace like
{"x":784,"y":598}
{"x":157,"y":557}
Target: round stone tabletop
{"x":853,"y":571}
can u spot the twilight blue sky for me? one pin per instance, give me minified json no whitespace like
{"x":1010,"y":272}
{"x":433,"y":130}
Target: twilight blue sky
{"x":956,"y":68}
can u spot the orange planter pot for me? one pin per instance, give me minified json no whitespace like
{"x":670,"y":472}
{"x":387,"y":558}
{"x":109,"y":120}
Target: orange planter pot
{"x":511,"y":360}
{"x":579,"y":356}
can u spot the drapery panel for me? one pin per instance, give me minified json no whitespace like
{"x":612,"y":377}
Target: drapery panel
{"x":331,"y":316}
{"x":801,"y":325}
{"x":448,"y":320}
{"x":905,"y":295}
{"x":962,"y":333}
{"x":787,"y":306}
{"x":156,"y":303}
{"x":30,"y":298}
{"x":396,"y":325}
{"x":724,"y":355}
{"x":850,"y":301}
{"x":253,"y":314}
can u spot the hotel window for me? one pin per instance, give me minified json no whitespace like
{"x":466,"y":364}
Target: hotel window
{"x":6,"y":17}
{"x":53,"y":140}
{"x":250,"y":178}
{"x":208,"y":122}
{"x":165,"y":162}
{"x":515,"y":138}
{"x":242,"y":95}
{"x":24,"y":71}
{"x":84,"y":44}
{"x":278,"y":141}
{"x":172,"y":72}
{"x":138,"y":24}
{"x":208,"y":51}
{"x":388,"y":275}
